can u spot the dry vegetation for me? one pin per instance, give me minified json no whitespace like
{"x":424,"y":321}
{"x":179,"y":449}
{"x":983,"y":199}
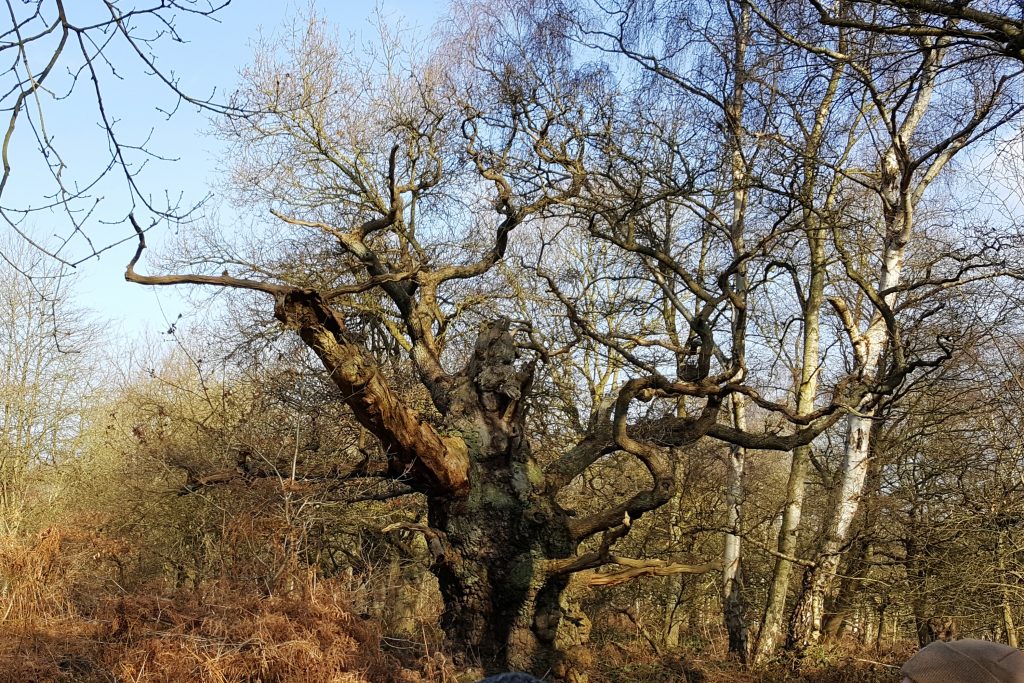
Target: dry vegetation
{"x":65,"y":619}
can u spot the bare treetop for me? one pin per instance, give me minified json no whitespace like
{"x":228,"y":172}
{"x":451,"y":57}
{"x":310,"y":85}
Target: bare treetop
{"x":992,"y":27}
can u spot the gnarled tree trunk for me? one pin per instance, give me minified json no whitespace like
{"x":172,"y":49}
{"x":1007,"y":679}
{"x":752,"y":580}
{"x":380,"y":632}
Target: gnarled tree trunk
{"x":502,"y":604}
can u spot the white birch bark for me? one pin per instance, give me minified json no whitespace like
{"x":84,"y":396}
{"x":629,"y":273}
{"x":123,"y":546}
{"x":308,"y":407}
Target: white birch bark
{"x":806,"y":389}
{"x":898,"y":196}
{"x":732,"y":602}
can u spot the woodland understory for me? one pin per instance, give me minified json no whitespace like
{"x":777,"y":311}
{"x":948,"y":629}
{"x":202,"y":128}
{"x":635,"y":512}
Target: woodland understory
{"x":609,"y":341}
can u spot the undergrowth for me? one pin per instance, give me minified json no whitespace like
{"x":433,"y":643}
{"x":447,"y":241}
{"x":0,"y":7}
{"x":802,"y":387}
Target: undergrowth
{"x":66,"y":618}
{"x":61,"y":621}
{"x":710,"y":664}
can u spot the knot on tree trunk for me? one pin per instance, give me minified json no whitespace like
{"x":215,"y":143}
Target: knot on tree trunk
{"x":500,"y":385}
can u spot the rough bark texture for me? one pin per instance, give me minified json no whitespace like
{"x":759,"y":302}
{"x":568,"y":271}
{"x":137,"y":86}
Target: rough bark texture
{"x":501,"y":604}
{"x":429,"y":461}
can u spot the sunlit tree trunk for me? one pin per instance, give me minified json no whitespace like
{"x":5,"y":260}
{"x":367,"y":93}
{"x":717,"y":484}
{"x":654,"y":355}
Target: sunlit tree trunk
{"x":773,"y":622}
{"x":733,"y":604}
{"x":898,"y":193}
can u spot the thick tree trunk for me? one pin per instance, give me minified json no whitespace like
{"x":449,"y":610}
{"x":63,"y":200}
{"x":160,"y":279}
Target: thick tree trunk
{"x":500,"y":605}
{"x":493,"y":526}
{"x":503,"y":608}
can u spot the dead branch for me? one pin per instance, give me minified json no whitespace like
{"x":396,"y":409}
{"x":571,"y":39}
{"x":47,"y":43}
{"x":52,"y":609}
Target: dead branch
{"x":638,"y":568}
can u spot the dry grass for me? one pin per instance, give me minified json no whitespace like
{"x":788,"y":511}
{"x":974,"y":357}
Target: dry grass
{"x":64,"y":619}
{"x":234,"y":637}
{"x":634,"y":663}
{"x":55,"y":629}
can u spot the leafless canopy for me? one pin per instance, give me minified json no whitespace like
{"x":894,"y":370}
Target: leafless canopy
{"x":990,"y":26}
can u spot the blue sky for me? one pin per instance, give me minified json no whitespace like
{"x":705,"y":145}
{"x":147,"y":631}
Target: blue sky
{"x":215,"y":52}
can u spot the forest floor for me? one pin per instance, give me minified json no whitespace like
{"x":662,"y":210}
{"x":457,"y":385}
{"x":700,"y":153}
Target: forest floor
{"x":228,"y":637}
{"x":60,"y":624}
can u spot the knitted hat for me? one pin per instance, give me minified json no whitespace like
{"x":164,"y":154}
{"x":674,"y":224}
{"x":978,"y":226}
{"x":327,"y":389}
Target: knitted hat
{"x":966,"y":661}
